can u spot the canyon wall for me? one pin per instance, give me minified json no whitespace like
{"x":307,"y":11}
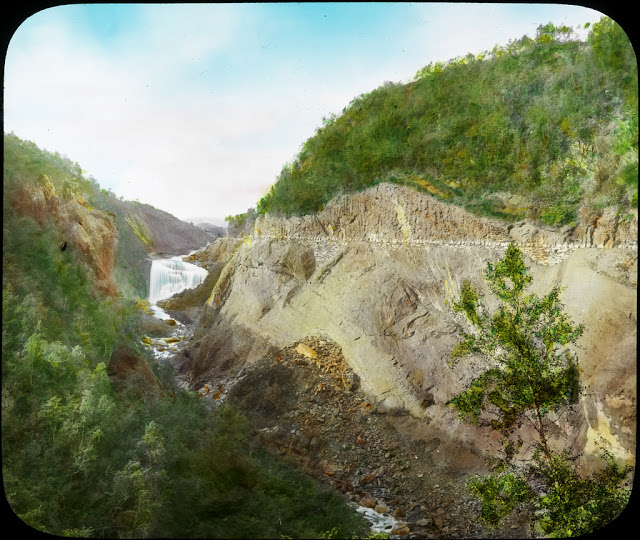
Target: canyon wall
{"x":89,"y":232}
{"x":376,"y":272}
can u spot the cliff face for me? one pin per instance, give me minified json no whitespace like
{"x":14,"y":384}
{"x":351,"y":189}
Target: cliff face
{"x":99,"y":236}
{"x":374,"y":271}
{"x":159,"y":232}
{"x":90,"y":232}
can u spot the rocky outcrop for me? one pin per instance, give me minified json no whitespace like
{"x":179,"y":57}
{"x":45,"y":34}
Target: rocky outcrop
{"x":219,"y":251}
{"x":376,"y":273}
{"x":88,"y":232}
{"x":187,"y":304}
{"x":127,"y":368}
{"x":242,"y":225}
{"x":397,"y":215}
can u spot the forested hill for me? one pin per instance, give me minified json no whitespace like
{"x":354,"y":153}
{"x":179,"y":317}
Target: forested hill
{"x":536,"y":129}
{"x":97,"y":440}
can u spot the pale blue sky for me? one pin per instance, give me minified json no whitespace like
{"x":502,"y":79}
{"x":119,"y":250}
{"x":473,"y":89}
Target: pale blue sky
{"x":195,"y":108}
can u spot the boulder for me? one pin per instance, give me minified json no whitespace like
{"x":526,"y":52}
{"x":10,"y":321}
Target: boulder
{"x":367,"y":502}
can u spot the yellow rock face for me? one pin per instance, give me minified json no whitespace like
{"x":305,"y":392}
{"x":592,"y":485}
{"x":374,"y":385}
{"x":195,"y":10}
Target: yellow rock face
{"x":306,"y":351}
{"x":599,"y":435}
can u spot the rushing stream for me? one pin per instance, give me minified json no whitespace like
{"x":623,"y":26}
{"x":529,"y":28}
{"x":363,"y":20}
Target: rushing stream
{"x":169,"y":277}
{"x":379,"y":522}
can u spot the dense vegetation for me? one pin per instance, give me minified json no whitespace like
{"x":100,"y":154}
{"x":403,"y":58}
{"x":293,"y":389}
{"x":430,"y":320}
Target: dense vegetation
{"x":96,"y":438}
{"x":531,"y":378}
{"x":533,"y":129}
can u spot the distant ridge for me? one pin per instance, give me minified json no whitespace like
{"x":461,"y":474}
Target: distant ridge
{"x":211,"y":221}
{"x":213,"y":230}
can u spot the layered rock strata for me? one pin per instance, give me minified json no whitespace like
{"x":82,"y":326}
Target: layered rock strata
{"x":377,"y":271}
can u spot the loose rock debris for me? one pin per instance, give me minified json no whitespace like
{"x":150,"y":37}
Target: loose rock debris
{"x":306,"y":403}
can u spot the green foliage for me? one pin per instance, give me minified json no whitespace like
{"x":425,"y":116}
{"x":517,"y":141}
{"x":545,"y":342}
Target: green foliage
{"x":572,"y":505}
{"x":88,"y":450}
{"x":522,"y":120}
{"x":237,"y":220}
{"x":531,"y":374}
{"x":25,"y":162}
{"x":227,"y":488}
{"x":500,"y":495}
{"x":567,"y":505}
{"x":523,"y":340}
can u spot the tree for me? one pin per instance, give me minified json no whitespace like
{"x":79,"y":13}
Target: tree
{"x":531,"y":374}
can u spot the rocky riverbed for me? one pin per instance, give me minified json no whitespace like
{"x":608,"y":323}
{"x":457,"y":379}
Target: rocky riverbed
{"x":306,"y":404}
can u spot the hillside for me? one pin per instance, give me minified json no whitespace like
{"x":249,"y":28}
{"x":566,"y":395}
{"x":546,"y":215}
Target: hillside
{"x":97,"y":438}
{"x":215,"y":230}
{"x":536,"y":129}
{"x":39,"y":184}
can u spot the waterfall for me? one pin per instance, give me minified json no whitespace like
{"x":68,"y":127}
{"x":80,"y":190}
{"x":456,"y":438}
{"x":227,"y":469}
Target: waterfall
{"x":170,"y":276}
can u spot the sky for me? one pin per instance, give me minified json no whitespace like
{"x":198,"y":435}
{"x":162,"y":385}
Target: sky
{"x":195,"y":108}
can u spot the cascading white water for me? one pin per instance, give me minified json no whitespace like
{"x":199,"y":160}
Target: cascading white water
{"x":380,"y":523}
{"x":170,"y":276}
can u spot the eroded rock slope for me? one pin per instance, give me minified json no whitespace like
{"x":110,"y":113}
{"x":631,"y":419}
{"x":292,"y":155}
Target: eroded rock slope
{"x":375,"y":272}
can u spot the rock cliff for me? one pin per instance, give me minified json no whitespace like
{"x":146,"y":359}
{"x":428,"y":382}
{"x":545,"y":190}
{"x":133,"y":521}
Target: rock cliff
{"x":163,"y":233}
{"x":92,"y":233}
{"x":120,"y":233}
{"x":375,"y":272}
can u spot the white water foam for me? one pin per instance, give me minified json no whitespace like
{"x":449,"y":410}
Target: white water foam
{"x":379,"y":522}
{"x":171,"y":276}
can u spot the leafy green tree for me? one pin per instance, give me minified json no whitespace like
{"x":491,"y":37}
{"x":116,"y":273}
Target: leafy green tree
{"x":531,"y":373}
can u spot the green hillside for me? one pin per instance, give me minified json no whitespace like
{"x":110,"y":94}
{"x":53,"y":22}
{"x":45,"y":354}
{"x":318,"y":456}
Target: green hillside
{"x":534,"y":129}
{"x":97,"y":440}
{"x":25,"y":165}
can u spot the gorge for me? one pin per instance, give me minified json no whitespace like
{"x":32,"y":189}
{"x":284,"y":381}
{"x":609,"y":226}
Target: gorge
{"x":297,"y":377}
{"x":372,"y":278}
{"x":332,"y":334}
